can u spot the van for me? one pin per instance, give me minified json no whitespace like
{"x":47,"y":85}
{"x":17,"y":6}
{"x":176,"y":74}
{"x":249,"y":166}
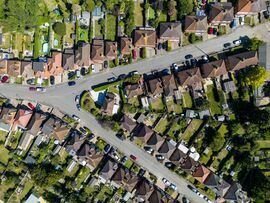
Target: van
{"x":78,"y":73}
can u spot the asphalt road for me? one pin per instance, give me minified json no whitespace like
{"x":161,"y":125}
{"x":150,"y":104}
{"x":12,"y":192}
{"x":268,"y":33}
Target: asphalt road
{"x":62,"y":97}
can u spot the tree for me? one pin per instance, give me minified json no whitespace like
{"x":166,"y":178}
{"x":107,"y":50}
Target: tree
{"x":59,"y":28}
{"x":184,"y":7}
{"x":192,"y":38}
{"x":254,"y":43}
{"x":255,"y":76}
{"x":171,"y":7}
{"x":89,"y":5}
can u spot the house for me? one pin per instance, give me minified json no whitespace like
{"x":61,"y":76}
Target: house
{"x":128,"y":124}
{"x":110,"y":50}
{"x":155,"y":141}
{"x":7,"y":117}
{"x":126,"y":45}
{"x":214,"y":69}
{"x":242,"y":60}
{"x":39,"y":68}
{"x":89,"y":154}
{"x":144,"y":189}
{"x":189,"y":165}
{"x":159,"y":196}
{"x":154,"y":87}
{"x":229,"y":86}
{"x":178,"y":157}
{"x":35,"y":123}
{"x":25,"y":141}
{"x":143,"y":133}
{"x":221,"y":13}
{"x":74,"y":142}
{"x":27,"y":69}
{"x":82,"y":55}
{"x":195,"y":24}
{"x":3,"y":66}
{"x":33,"y":198}
{"x":133,"y":90}
{"x":170,"y":31}
{"x":124,"y":178}
{"x":235,"y":194}
{"x":250,"y":7}
{"x":97,"y":51}
{"x":21,"y":119}
{"x":108,"y":104}
{"x":169,"y":86}
{"x":54,"y":64}
{"x":190,"y":78}
{"x":107,"y":171}
{"x":166,"y":149}
{"x":68,"y":59}
{"x":201,"y":173}
{"x":14,"y":68}
{"x":145,"y":38}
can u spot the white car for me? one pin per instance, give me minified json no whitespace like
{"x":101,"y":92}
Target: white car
{"x":77,"y":99}
{"x":237,"y":42}
{"x":41,"y":89}
{"x":166,"y":182}
{"x":201,"y":195}
{"x":173,"y":186}
{"x":175,"y":66}
{"x":76,"y":118}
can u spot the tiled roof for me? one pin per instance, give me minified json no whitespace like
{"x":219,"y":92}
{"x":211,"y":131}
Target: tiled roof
{"x":110,"y":50}
{"x":155,"y":86}
{"x":190,"y":77}
{"x":143,"y":132}
{"x":201,"y":173}
{"x":242,"y":60}
{"x":170,"y":30}
{"x":128,"y":124}
{"x":214,"y":69}
{"x":169,"y":85}
{"x":221,"y":12}
{"x":126,"y":45}
{"x":97,"y":51}
{"x":195,"y":24}
{"x":145,"y":38}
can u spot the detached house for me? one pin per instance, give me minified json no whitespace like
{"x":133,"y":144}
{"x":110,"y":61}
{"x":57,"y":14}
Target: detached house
{"x":35,"y":123}
{"x":196,"y":24}
{"x":190,"y":78}
{"x":108,"y":104}
{"x":214,"y":69}
{"x":242,"y":60}
{"x":21,"y":119}
{"x":154,"y":87}
{"x":170,"y":31}
{"x":107,"y":171}
{"x":110,"y":50}
{"x":97,"y":51}
{"x":145,"y":38}
{"x":221,"y":13}
{"x":7,"y":117}
{"x":144,"y":189}
{"x":68,"y":59}
{"x":235,"y":194}
{"x":169,"y":86}
{"x":143,"y":133}
{"x":250,"y":7}
{"x":82,"y":55}
{"x":126,"y":45}
{"x":14,"y":68}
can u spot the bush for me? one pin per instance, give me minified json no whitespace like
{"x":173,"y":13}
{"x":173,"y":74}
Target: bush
{"x":192,"y":38}
{"x":59,"y":28}
{"x":143,"y":53}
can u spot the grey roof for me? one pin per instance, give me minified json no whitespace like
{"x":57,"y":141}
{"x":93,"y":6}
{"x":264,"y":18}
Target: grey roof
{"x":232,"y":193}
{"x":190,"y":113}
{"x":108,"y":170}
{"x":38,"y":66}
{"x":264,"y":56}
{"x":29,"y":160}
{"x":4,"y":126}
{"x":204,"y":114}
{"x":229,"y":86}
{"x":170,"y":30}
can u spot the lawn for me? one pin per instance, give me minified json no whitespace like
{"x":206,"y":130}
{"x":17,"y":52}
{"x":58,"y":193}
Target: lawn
{"x":70,"y":30}
{"x":173,"y":107}
{"x":7,"y":43}
{"x":187,"y":100}
{"x":105,"y":194}
{"x":191,"y":129}
{"x":3,"y":135}
{"x":157,"y":104}
{"x":128,"y":164}
{"x":263,"y":144}
{"x":215,"y":106}
{"x":151,"y":13}
{"x":162,"y":125}
{"x":83,"y":174}
{"x":37,"y":43}
{"x":138,"y":13}
{"x":58,"y":41}
{"x":14,"y":139}
{"x":87,"y":102}
{"x":4,"y":155}
{"x":134,"y":101}
{"x":221,"y":155}
{"x":73,"y":172}
{"x":205,"y":157}
{"x":83,"y":34}
{"x":101,"y":144}
{"x":162,"y":17}
{"x":97,"y":31}
{"x":111,"y":27}
{"x":28,"y":184}
{"x":5,"y":186}
{"x":18,"y":41}
{"x":223,"y":130}
{"x":176,"y":127}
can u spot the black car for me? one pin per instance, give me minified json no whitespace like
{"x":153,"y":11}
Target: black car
{"x":71,"y":83}
{"x":141,"y":172}
{"x":227,"y":45}
{"x":193,"y":62}
{"x":52,"y":80}
{"x":107,"y":148}
{"x":83,"y":71}
{"x":30,"y":81}
{"x":189,"y":56}
{"x":192,"y":188}
{"x":120,"y":136}
{"x":122,"y":76}
{"x":168,"y":164}
{"x":159,"y":46}
{"x":71,"y":74}
{"x":188,"y":63}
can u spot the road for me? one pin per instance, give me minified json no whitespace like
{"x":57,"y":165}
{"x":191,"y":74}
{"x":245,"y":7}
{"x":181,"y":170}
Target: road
{"x":62,"y":97}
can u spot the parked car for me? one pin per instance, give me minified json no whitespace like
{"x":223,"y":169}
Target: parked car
{"x":91,"y":136}
{"x":168,"y":164}
{"x":175,"y":66}
{"x":71,"y":83}
{"x":134,"y":54}
{"x":106,"y":64}
{"x":30,"y":81}
{"x":71,"y":74}
{"x":148,"y":149}
{"x":166,"y":182}
{"x":193,"y":62}
{"x":83,"y":130}
{"x":77,"y":99}
{"x":189,"y":56}
{"x":4,"y":79}
{"x":173,"y":186}
{"x":134,"y":73}
{"x":205,"y":58}
{"x":78,"y":106}
{"x":237,"y":42}
{"x":227,"y":45}
{"x":141,"y":172}
{"x":166,"y":71}
{"x":124,"y":159}
{"x":32,"y":89}
{"x":83,"y":71}
{"x":215,"y":31}
{"x":160,"y":157}
{"x":187,"y":63}
{"x":41,"y":89}
{"x":210,"y":30}
{"x":78,"y":73}
{"x":112,"y":79}
{"x":120,"y":136}
{"x":122,"y":76}
{"x":31,"y":106}
{"x":107,"y":148}
{"x":192,"y":189}
{"x":76,"y":118}
{"x":52,"y":80}
{"x":133,"y":157}
{"x":159,"y":46}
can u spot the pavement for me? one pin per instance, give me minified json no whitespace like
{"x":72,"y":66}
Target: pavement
{"x":62,"y":97}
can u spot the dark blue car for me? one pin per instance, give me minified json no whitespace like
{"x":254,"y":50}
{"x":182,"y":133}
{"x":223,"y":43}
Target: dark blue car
{"x":71,"y":83}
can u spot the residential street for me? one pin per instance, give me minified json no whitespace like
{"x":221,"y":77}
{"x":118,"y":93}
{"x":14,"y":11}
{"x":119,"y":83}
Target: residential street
{"x":62,"y":97}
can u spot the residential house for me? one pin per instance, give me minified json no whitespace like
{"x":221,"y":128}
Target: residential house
{"x":159,"y":196}
{"x":169,"y":86}
{"x":155,"y":141}
{"x":235,"y":194}
{"x":89,"y":154}
{"x":35,"y":123}
{"x":107,"y":171}
{"x":250,"y":7}
{"x":3,"y":66}
{"x":27,"y":69}
{"x":7,"y":117}
{"x":68,"y":59}
{"x":110,"y":50}
{"x":74,"y":142}
{"x":54,"y":65}
{"x":134,"y":90}
{"x":170,"y":31}
{"x":178,"y":157}
{"x":108,"y":104}
{"x":82,"y":55}
{"x":143,"y":133}
{"x":126,"y":45}
{"x":14,"y":68}
{"x":39,"y":68}
{"x":34,"y":198}
{"x":154,"y":87}
{"x":195,"y":24}
{"x":125,"y":178}
{"x":190,"y":78}
{"x":201,"y":173}
{"x":221,"y":13}
{"x":25,"y":141}
{"x":144,"y":189}
{"x":166,"y":149}
{"x":242,"y":60}
{"x":145,"y":38}
{"x":190,"y":165}
{"x":21,"y":119}
{"x":214,"y":69}
{"x":97,"y":51}
{"x":128,"y":124}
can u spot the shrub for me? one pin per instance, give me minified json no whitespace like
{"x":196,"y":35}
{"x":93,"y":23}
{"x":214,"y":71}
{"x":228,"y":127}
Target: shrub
{"x":59,"y":28}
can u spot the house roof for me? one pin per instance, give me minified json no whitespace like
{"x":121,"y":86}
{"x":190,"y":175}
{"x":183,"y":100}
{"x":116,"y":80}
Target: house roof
{"x":27,"y":69}
{"x":82,"y":55}
{"x":242,"y":60}
{"x":35,"y":123}
{"x":145,"y":38}
{"x":143,"y":132}
{"x":213,"y":69}
{"x":38,"y":66}
{"x":155,"y":141}
{"x":232,"y":193}
{"x":110,"y":50}
{"x":97,"y":51}
{"x":7,"y":115}
{"x":75,"y":141}
{"x":221,"y":12}
{"x":195,"y":24}
{"x":169,"y":85}
{"x":107,"y":107}
{"x":158,"y":196}
{"x":90,"y":154}
{"x":166,"y":149}
{"x":190,"y":77}
{"x":126,"y":45}
{"x":189,"y":165}
{"x":211,"y":180}
{"x":229,"y":86}
{"x":14,"y":67}
{"x":3,"y":66}
{"x":68,"y":59}
{"x":250,"y":6}
{"x":133,"y":90}
{"x":128,"y":123}
{"x":144,"y":189}
{"x":108,"y":169}
{"x":22,"y":118}
{"x":201,"y":173}
{"x":177,"y":157}
{"x":155,"y":86}
{"x":170,"y":30}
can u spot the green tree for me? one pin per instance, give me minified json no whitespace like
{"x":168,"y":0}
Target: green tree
{"x":89,"y":5}
{"x":255,"y":76}
{"x":129,"y":20}
{"x":192,"y":38}
{"x":184,"y":7}
{"x":254,"y":43}
{"x":59,"y":28}
{"x":171,"y":7}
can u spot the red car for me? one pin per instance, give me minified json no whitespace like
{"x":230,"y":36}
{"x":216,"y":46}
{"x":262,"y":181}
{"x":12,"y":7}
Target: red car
{"x":4,"y":79}
{"x":134,"y":54}
{"x":32,"y":88}
{"x":210,"y":31}
{"x":133,"y":157}
{"x":31,"y":106}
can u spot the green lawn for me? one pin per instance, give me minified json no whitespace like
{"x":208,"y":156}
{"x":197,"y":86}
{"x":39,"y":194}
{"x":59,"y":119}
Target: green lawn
{"x":83,"y":34}
{"x":187,"y":100}
{"x":134,"y":101}
{"x":162,"y":17}
{"x":3,"y":135}
{"x":176,"y":127}
{"x":173,"y":107}
{"x":37,"y":43}
{"x":191,"y":129}
{"x":263,"y":143}
{"x":105,"y":194}
{"x":111,"y":27}
{"x":162,"y":125}
{"x":7,"y":43}
{"x":223,"y":130}
{"x":138,"y":13}
{"x":151,"y":13}
{"x":157,"y":104}
{"x":5,"y":186}
{"x":14,"y":139}
{"x":215,"y":106}
{"x":97,"y":29}
{"x":4,"y":155}
{"x":101,"y":144}
{"x":83,"y":174}
{"x":128,"y":163}
{"x":221,"y":155}
{"x":70,"y":29}
{"x":59,"y":40}
{"x":205,"y":157}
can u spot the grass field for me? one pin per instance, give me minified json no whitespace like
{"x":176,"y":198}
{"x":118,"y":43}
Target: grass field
{"x":215,"y":106}
{"x":191,"y":129}
{"x":138,"y":13}
{"x":4,"y":155}
{"x":162,"y":125}
{"x":187,"y":100}
{"x":3,"y":135}
{"x":158,"y":104}
{"x":14,"y":139}
{"x":128,"y":164}
{"x":173,"y":107}
{"x":84,"y":172}
{"x":263,"y":143}
{"x":110,"y":27}
{"x":83,"y":34}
